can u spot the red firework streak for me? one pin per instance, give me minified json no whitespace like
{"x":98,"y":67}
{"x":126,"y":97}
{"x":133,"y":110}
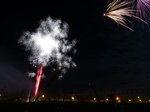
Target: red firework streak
{"x":38,"y":78}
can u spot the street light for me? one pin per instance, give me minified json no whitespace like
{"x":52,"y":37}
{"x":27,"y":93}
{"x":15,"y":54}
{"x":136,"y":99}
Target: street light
{"x":129,"y":100}
{"x":117,"y":98}
{"x":107,"y":99}
{"x":72,"y":98}
{"x":94,"y":92}
{"x":140,"y":100}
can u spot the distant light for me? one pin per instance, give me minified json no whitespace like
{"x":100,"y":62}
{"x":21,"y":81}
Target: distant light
{"x":0,"y":94}
{"x":138,"y":97}
{"x":107,"y":99}
{"x":72,"y":98}
{"x":94,"y":99}
{"x":119,"y":101}
{"x":129,"y":100}
{"x":148,"y":100}
{"x":43,"y":96}
{"x":117,"y":98}
{"x":140,"y":100}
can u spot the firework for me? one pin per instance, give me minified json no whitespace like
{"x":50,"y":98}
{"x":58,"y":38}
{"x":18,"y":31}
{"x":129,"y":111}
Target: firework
{"x":38,"y":78}
{"x":49,"y":45}
{"x":117,"y":11}
{"x":142,"y":8}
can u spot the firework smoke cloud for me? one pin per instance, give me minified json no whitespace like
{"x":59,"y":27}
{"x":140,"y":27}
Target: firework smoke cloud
{"x":49,"y":44}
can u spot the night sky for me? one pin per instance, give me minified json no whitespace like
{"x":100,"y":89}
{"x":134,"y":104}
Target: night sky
{"x":110,"y":57}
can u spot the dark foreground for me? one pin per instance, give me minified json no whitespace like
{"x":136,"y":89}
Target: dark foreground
{"x":74,"y":107}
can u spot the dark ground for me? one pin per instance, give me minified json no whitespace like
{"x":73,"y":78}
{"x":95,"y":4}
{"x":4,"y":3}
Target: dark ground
{"x":74,"y":107}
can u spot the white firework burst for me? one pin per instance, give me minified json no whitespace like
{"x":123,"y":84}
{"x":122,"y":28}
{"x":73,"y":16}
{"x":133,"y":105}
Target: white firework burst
{"x":49,"y":44}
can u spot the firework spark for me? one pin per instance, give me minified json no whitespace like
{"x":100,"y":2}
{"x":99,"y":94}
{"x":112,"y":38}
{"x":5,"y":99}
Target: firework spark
{"x":49,"y":45}
{"x":142,"y":8}
{"x":116,"y":10}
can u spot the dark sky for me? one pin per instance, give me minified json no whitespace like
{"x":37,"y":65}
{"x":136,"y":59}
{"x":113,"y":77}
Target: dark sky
{"x":110,"y":57}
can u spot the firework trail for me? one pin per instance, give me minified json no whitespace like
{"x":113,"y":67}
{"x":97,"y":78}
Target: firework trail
{"x":38,"y":78}
{"x":28,"y":97}
{"x":116,"y":10}
{"x":49,"y":45}
{"x":142,"y":8}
